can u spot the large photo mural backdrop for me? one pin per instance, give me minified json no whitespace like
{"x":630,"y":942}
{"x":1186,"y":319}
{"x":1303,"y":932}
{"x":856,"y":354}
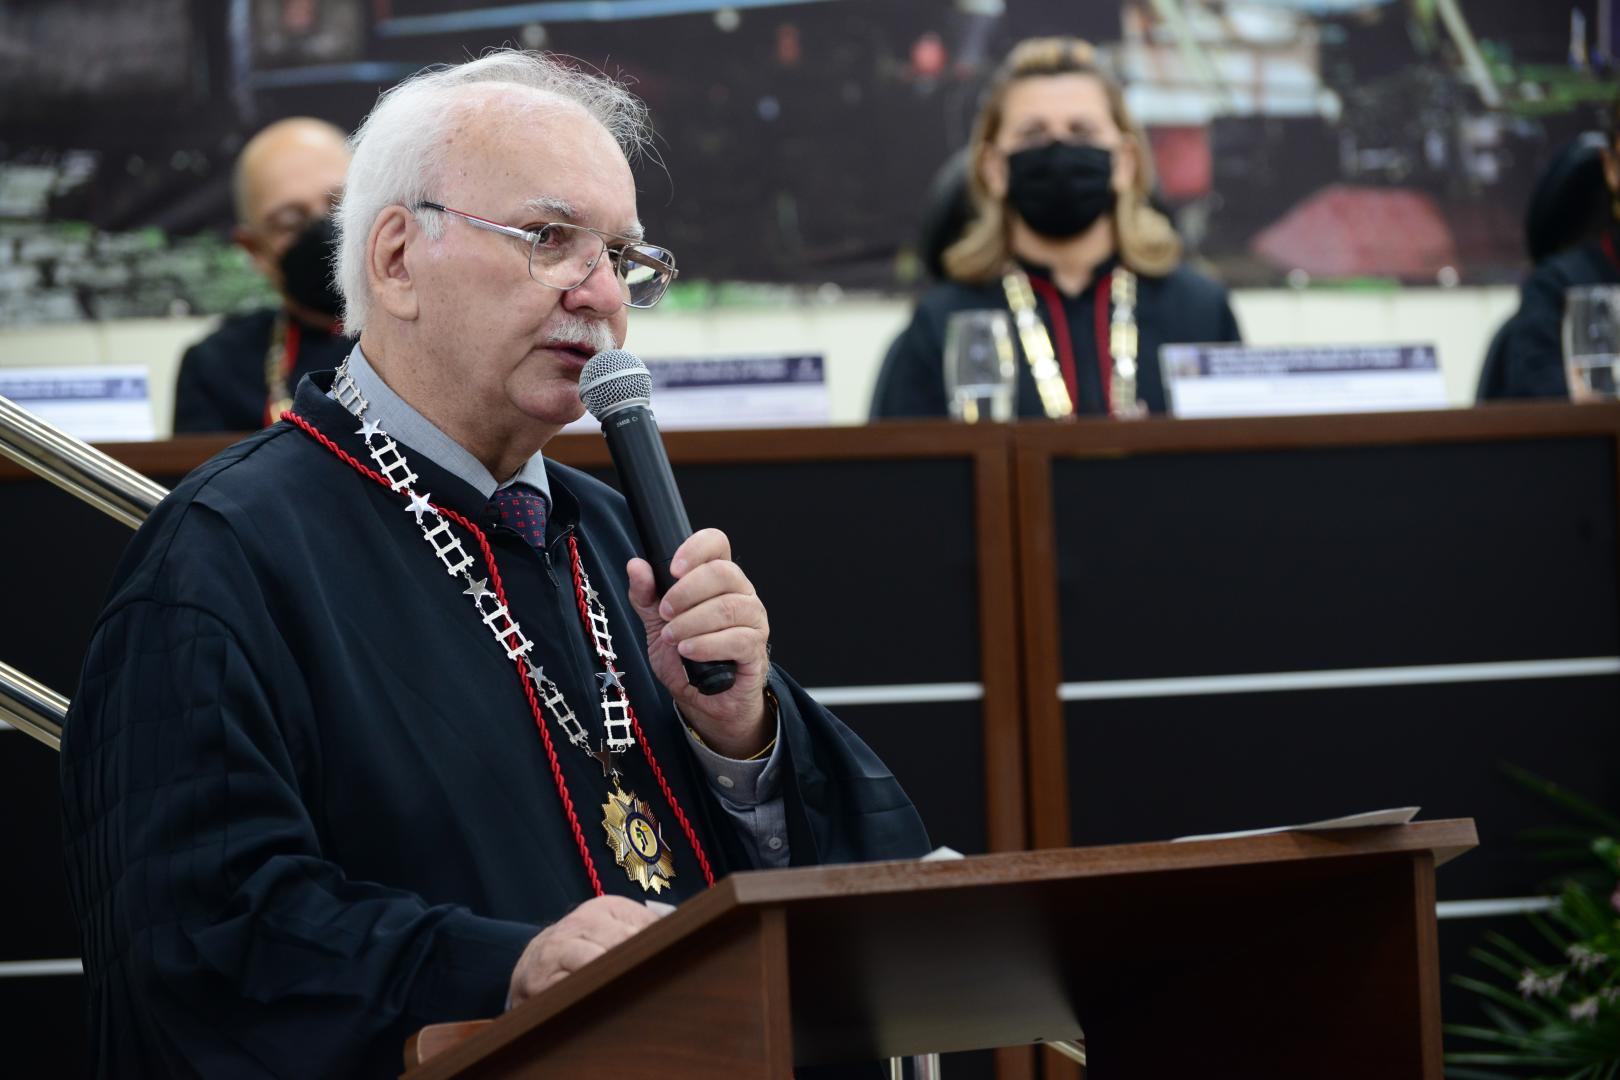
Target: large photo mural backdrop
{"x":1299,"y":141}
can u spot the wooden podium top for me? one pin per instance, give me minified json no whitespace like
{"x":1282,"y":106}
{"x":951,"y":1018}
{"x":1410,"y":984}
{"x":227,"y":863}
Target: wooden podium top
{"x":894,"y":958}
{"x":1446,"y":839}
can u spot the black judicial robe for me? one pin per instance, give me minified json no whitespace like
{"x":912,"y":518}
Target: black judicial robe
{"x":306,"y":810}
{"x":1181,"y":307}
{"x":1533,"y":340}
{"x":221,"y":385}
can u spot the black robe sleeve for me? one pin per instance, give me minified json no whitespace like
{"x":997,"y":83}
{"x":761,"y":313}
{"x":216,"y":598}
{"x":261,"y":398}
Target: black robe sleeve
{"x":218,"y":940}
{"x":1230,"y":331}
{"x":198,"y":405}
{"x":843,"y":804}
{"x":911,"y":382}
{"x":1533,"y":351}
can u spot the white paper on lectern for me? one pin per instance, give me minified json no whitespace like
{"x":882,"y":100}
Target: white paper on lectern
{"x":1400,"y":815}
{"x":941,"y":854}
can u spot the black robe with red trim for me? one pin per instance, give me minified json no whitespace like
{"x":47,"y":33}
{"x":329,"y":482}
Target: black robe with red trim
{"x":306,"y":809}
{"x":1182,"y":307}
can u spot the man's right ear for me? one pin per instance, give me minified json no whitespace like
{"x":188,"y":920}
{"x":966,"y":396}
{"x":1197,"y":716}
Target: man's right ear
{"x":387,"y":270}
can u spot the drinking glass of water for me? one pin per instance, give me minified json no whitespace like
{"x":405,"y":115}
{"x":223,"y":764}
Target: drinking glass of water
{"x":1592,"y":341}
{"x":980,"y":373}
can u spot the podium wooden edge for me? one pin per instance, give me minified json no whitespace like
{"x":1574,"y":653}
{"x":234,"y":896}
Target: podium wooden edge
{"x":459,"y":1045}
{"x":449,"y":1048}
{"x":1446,"y":838}
{"x":435,"y":1039}
{"x":1088,"y":437}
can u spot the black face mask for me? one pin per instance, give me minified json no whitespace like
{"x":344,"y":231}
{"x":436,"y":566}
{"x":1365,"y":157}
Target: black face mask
{"x":307,"y":267}
{"x":1059,"y":189}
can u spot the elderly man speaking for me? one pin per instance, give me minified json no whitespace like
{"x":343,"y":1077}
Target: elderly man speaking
{"x":340,"y":764}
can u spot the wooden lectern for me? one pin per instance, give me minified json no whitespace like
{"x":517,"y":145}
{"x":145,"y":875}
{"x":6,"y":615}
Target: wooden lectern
{"x":1288,"y":955}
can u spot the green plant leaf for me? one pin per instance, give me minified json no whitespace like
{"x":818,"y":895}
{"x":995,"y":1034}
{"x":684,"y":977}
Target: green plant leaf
{"x":1502,"y":966}
{"x":1504,"y":997}
{"x":1544,"y":928}
{"x":1499,"y":1038}
{"x":1608,"y":850}
{"x":1504,"y":1021}
{"x":1535,"y":1037}
{"x":1560,"y":796}
{"x":1515,"y":952}
{"x":1486,"y":1058}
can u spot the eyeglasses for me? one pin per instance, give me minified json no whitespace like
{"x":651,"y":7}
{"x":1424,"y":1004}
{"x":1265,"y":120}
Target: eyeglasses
{"x":562,"y":256}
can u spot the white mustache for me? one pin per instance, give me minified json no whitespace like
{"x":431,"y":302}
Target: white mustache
{"x":572,"y":330}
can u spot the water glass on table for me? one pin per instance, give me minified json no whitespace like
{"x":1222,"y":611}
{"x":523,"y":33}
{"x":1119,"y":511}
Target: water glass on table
{"x":980,"y":373}
{"x":1592,"y":341}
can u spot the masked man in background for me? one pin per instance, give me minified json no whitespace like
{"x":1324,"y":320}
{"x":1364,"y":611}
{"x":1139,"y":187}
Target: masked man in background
{"x":288,"y":179}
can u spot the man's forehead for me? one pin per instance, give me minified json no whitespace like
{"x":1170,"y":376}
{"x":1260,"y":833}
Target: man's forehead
{"x":535,"y":153}
{"x":529,"y":121}
{"x":303,"y":174}
{"x":558,"y":208}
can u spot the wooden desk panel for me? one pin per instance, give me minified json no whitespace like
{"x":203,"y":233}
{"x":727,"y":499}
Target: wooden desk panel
{"x":1531,"y":489}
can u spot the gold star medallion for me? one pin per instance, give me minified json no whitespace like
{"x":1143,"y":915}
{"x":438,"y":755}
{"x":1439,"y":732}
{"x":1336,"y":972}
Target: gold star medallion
{"x":637,"y":842}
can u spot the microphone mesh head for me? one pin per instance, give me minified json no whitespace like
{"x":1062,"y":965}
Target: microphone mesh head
{"x":612,"y":380}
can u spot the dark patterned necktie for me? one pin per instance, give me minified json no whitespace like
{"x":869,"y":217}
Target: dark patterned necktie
{"x":523,"y":510}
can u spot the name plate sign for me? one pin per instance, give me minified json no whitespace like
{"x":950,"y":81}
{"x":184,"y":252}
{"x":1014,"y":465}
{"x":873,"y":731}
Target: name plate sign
{"x":1245,"y":380}
{"x":735,"y":392}
{"x":97,"y":404}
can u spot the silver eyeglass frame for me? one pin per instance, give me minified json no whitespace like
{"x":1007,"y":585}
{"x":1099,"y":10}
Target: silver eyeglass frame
{"x":626,"y":249}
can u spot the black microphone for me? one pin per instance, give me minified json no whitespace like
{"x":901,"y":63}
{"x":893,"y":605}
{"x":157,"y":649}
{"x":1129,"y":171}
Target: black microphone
{"x":617,"y":388}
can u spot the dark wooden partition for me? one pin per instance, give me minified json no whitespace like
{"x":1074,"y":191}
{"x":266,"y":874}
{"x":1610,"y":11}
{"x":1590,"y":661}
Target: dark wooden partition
{"x":1081,"y":634}
{"x":1230,"y":624}
{"x":1233,"y":624}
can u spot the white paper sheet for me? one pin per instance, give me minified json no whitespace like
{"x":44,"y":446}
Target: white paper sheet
{"x":942,"y":853}
{"x":1400,"y":815}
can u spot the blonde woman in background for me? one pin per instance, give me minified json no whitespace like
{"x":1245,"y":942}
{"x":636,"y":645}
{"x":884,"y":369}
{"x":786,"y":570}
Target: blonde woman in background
{"x":1065,"y":240}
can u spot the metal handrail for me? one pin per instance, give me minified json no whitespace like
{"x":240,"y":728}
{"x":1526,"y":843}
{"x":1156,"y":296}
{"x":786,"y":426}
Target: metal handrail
{"x":85,"y":472}
{"x":76,"y":467}
{"x":31,"y":707}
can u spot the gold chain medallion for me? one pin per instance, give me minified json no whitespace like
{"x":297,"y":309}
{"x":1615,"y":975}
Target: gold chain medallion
{"x":637,"y":842}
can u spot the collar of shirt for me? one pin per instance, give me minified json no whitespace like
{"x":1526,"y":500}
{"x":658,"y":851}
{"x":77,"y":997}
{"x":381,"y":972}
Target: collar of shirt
{"x":410,"y":427}
{"x":1107,"y":266}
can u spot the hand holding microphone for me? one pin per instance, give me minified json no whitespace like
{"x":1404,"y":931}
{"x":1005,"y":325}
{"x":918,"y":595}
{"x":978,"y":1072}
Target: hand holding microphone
{"x":698,"y":606}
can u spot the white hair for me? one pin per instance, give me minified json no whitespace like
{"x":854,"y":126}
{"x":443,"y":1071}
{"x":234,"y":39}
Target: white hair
{"x":399,"y":148}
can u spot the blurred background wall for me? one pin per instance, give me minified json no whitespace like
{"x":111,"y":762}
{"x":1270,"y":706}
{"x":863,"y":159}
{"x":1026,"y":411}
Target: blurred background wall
{"x":1356,"y":169}
{"x":851,"y":333}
